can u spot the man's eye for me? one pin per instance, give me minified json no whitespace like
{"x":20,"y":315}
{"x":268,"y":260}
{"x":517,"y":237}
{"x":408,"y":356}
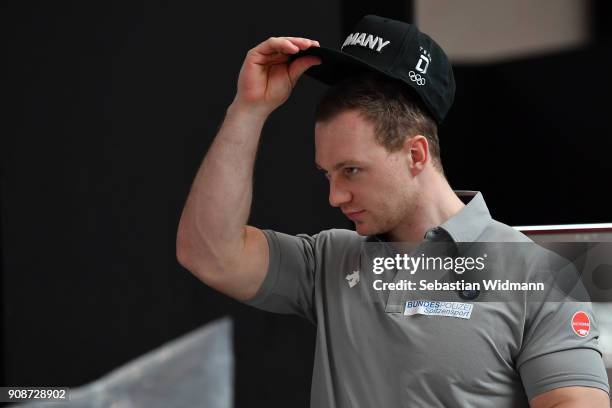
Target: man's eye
{"x":350,"y":171}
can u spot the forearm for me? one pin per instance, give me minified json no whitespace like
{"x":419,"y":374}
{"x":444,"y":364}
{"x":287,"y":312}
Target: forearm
{"x":218,"y":205}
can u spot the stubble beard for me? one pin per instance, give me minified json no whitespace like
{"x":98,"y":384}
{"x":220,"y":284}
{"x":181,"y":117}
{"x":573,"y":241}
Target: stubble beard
{"x":392,"y":218}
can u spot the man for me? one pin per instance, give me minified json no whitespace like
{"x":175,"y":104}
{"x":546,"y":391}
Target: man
{"x":376,"y":142}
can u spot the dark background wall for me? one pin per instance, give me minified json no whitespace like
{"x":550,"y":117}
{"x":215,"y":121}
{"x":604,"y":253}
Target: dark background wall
{"x":111,"y":110}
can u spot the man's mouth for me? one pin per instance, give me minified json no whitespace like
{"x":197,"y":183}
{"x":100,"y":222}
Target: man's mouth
{"x":354,"y":215}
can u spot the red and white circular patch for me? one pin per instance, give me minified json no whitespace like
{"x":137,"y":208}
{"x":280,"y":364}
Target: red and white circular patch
{"x":581,"y":324}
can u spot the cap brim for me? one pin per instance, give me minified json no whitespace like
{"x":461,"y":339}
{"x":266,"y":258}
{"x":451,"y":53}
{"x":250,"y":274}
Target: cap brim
{"x":336,"y":66}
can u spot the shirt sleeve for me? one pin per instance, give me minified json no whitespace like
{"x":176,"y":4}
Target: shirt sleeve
{"x":560,"y":348}
{"x":289,"y":284}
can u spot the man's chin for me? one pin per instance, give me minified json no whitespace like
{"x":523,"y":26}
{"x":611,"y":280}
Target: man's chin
{"x":364,"y":229}
{"x":369,"y":229}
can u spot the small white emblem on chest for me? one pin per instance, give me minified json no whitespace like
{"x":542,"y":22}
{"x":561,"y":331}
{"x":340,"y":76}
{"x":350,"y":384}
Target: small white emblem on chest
{"x":352,"y":278}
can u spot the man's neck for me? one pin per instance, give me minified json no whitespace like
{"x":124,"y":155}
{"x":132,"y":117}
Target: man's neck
{"x":433,"y":206}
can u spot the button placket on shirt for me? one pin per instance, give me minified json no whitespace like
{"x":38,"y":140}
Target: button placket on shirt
{"x":397,"y":298}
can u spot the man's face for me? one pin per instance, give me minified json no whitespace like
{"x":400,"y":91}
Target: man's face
{"x":372,"y":187}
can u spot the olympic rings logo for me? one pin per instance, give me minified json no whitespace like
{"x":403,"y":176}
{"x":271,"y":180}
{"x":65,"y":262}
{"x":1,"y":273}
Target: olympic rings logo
{"x":416,"y":78}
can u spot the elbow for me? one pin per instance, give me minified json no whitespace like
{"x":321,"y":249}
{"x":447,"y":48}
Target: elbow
{"x":195,"y":258}
{"x":194,"y":253}
{"x":183,"y":255}
{"x":202,"y":255}
{"x":185,"y":248}
{"x":190,"y":258}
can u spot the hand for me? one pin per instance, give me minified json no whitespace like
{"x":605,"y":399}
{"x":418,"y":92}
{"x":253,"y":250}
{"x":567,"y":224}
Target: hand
{"x":267,"y":77}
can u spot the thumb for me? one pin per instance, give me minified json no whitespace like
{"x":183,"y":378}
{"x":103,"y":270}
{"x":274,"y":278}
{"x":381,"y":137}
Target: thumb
{"x":300,"y":65}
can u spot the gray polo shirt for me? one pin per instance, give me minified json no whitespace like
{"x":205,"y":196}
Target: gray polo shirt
{"x":391,"y":348}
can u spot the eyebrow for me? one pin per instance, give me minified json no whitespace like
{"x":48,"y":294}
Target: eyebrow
{"x":340,"y":165}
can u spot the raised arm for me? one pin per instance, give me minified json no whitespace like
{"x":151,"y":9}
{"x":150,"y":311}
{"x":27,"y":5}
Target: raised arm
{"x":213,"y":240}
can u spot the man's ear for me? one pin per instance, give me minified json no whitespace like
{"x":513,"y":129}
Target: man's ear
{"x":416,"y":149}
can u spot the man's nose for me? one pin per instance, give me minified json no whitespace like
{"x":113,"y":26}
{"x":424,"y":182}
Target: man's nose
{"x":338,"y":194}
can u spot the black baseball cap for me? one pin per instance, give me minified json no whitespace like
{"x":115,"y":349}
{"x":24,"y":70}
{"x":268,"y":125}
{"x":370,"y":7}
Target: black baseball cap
{"x":395,"y":49}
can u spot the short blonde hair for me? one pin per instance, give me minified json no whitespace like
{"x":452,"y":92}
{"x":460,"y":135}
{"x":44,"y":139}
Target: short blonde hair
{"x":393,"y":108}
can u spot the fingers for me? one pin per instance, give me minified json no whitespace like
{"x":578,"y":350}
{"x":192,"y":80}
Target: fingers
{"x":274,"y":46}
{"x":301,"y":43}
{"x":300,"y":65}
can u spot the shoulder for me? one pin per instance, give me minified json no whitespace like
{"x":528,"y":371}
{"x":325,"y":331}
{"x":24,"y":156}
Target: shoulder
{"x":527,"y":255}
{"x":336,"y":247}
{"x":326,"y":241}
{"x":338,"y":239}
{"x":339,"y":234}
{"x":509,"y":248}
{"x":497,"y":231}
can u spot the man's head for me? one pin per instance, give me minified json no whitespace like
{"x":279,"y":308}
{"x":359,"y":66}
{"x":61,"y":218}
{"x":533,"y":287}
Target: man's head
{"x":375,"y":142}
{"x":376,"y":130}
{"x":393,"y":108}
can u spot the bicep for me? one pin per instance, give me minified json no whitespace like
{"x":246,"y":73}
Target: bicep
{"x":580,"y":367}
{"x":255,"y":260}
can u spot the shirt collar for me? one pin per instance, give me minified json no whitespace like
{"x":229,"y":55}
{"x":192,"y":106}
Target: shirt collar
{"x":469,"y":223}
{"x":465,"y":226}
